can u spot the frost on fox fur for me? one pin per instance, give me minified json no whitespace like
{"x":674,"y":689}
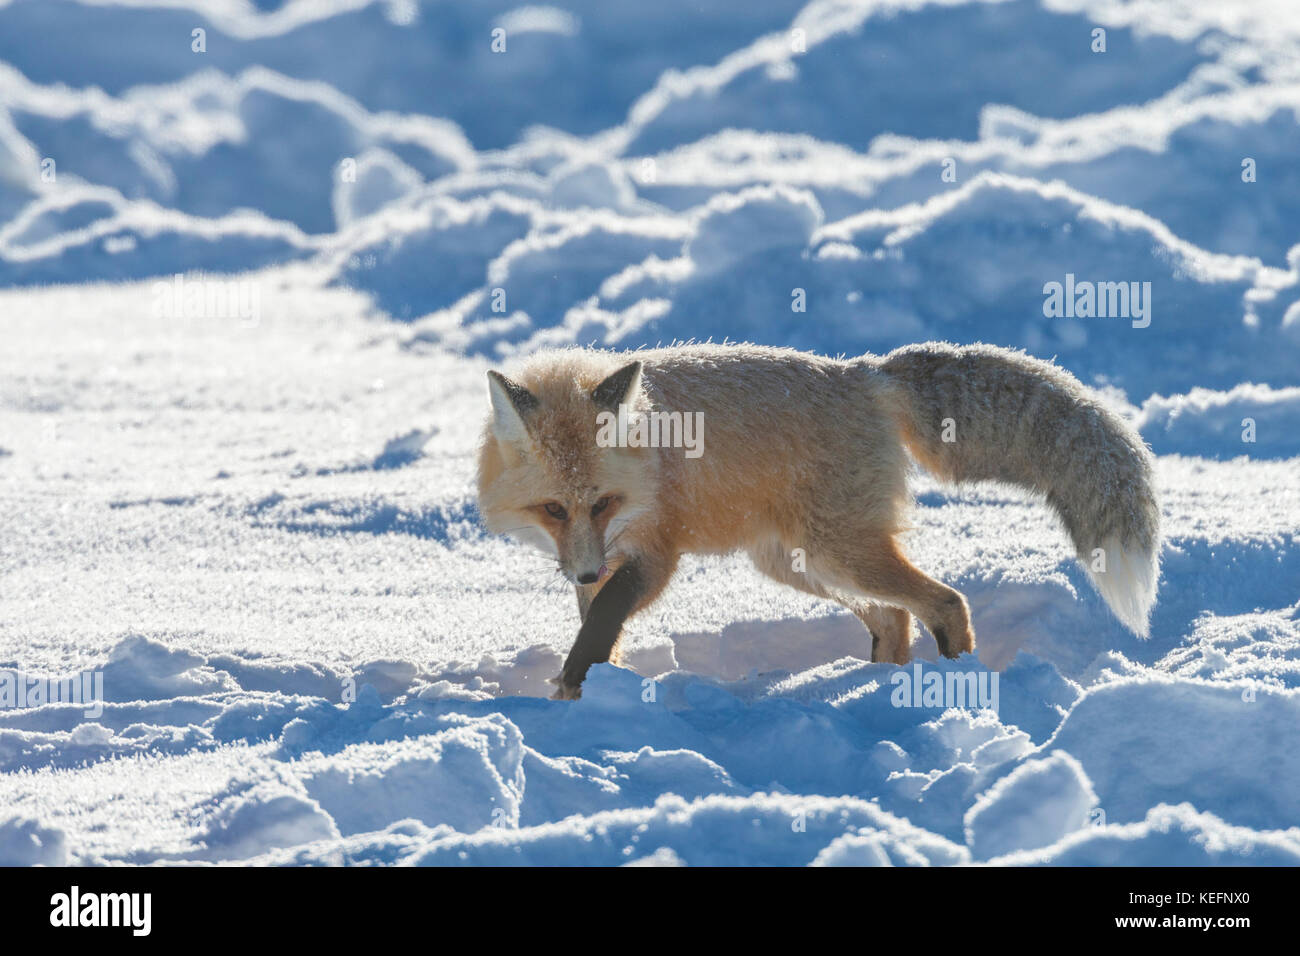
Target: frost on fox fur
{"x":805,"y":454}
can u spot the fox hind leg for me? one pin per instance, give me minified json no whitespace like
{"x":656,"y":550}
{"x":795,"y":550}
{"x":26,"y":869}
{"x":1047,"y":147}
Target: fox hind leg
{"x":891,"y":632}
{"x":880,"y":571}
{"x":890,"y":627}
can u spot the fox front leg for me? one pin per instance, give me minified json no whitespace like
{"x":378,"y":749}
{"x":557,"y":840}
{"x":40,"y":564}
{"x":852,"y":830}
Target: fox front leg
{"x":585,"y":593}
{"x":602,"y":623}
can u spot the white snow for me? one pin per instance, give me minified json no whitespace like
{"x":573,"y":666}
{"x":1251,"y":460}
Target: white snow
{"x":1036,"y":805}
{"x":246,"y":507}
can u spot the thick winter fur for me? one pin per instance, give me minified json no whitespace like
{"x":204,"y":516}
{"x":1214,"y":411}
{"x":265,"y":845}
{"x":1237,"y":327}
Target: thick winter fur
{"x":804,"y":467}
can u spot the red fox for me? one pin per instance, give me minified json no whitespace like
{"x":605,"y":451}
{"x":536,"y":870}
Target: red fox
{"x":799,"y":451}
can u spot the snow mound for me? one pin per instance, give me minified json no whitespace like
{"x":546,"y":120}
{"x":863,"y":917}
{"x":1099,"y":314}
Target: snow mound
{"x":1036,"y":805}
{"x":1248,"y":419}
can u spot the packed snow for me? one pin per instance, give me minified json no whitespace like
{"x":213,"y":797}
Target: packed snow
{"x":248,"y":611}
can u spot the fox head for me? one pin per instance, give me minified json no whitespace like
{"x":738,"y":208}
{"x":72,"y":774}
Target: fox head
{"x":543,"y":477}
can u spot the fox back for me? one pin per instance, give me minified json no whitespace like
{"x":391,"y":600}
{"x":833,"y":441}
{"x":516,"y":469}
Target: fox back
{"x":778,"y":430}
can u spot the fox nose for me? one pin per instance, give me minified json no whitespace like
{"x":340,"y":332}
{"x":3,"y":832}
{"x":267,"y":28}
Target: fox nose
{"x":591,"y":577}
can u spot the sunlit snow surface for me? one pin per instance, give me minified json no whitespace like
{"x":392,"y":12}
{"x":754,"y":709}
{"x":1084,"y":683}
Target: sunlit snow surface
{"x":257,"y":524}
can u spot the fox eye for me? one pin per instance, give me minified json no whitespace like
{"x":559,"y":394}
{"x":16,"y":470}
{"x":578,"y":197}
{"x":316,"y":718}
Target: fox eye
{"x":600,"y":506}
{"x":555,"y":510}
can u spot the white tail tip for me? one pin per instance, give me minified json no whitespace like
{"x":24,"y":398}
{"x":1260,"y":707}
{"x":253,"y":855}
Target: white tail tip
{"x":1128,"y":584}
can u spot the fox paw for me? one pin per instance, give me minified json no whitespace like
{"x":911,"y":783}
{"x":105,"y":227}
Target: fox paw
{"x":564,"y":690}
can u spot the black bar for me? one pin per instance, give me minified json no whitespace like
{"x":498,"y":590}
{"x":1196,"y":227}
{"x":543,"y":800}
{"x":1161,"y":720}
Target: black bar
{"x":244,"y":905}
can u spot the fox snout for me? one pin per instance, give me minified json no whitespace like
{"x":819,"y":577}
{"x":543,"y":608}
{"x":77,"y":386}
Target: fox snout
{"x":590,"y":577}
{"x":582,"y":553}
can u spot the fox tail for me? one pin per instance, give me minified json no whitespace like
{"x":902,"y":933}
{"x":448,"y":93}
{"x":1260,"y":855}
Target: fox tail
{"x":980,"y":413}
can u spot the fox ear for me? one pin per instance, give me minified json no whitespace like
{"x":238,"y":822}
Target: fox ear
{"x":618,"y":388}
{"x":511,"y":404}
